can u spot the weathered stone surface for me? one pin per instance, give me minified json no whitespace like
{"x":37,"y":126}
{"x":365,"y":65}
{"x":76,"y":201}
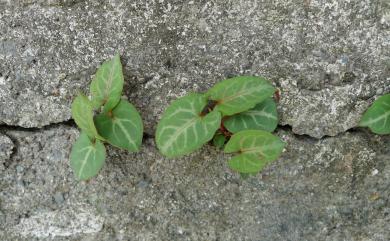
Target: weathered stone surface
{"x":6,"y":148}
{"x":330,"y":189}
{"x":328,"y":57}
{"x":63,"y":223}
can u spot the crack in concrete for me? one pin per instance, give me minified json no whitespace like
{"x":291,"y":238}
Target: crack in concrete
{"x":146,"y":134}
{"x":289,"y":128}
{"x":5,"y":127}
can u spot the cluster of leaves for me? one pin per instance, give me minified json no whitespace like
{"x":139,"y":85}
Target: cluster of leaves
{"x":117,"y":121}
{"x":239,"y":111}
{"x":377,"y":117}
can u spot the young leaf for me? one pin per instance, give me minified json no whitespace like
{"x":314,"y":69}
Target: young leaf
{"x":219,"y":140}
{"x":183,"y":129}
{"x":240,"y":93}
{"x":263,"y":116}
{"x":82,"y":114}
{"x":86,"y":157}
{"x":256,"y":148}
{"x":106,"y":87}
{"x":377,"y":117}
{"x":121,"y":127}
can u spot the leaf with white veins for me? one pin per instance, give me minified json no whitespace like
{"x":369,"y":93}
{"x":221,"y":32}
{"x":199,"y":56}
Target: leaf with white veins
{"x":255,"y":149}
{"x":106,"y":87}
{"x":121,"y":127}
{"x":263,"y":116}
{"x":183,"y":129}
{"x":86,"y":157}
{"x":377,"y":117}
{"x":239,"y":94}
{"x":82,"y":114}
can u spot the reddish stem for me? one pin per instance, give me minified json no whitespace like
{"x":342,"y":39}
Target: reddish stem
{"x":109,"y":113}
{"x":223,"y":128}
{"x":277,"y":95}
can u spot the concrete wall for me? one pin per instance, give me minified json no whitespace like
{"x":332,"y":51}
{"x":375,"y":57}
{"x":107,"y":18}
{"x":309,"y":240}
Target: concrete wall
{"x":330,"y":59}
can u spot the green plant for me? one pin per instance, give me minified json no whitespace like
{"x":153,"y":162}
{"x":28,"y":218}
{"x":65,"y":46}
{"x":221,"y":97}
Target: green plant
{"x":239,"y":111}
{"x":377,"y":117}
{"x":117,"y":121}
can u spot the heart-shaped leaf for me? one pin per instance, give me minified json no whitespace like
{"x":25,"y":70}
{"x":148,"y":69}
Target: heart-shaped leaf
{"x":377,"y":117}
{"x":255,"y":149}
{"x":183,"y":128}
{"x":82,"y":114}
{"x":86,"y":157}
{"x":121,"y":127}
{"x":106,"y":87}
{"x":240,"y":93}
{"x":263,"y":116}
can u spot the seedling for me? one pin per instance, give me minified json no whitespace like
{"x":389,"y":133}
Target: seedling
{"x":239,"y":111}
{"x":377,"y":117}
{"x":117,"y":121}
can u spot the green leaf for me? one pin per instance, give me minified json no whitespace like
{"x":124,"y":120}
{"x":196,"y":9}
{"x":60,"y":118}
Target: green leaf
{"x":263,"y":116}
{"x":183,"y":129}
{"x":82,"y":114}
{"x":247,"y":175}
{"x":255,"y":149}
{"x":106,"y":87}
{"x":377,"y":117}
{"x":121,"y":127}
{"x":86,"y":157}
{"x":240,"y":93}
{"x":219,"y":140}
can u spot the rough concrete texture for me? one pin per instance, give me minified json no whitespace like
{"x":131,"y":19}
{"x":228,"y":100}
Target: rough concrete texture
{"x":330,"y":60}
{"x":330,"y":189}
{"x":328,"y":57}
{"x":6,"y":149}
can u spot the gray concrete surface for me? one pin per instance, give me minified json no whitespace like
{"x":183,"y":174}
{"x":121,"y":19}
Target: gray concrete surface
{"x":331,"y":189}
{"x":330,"y":59}
{"x":6,"y":149}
